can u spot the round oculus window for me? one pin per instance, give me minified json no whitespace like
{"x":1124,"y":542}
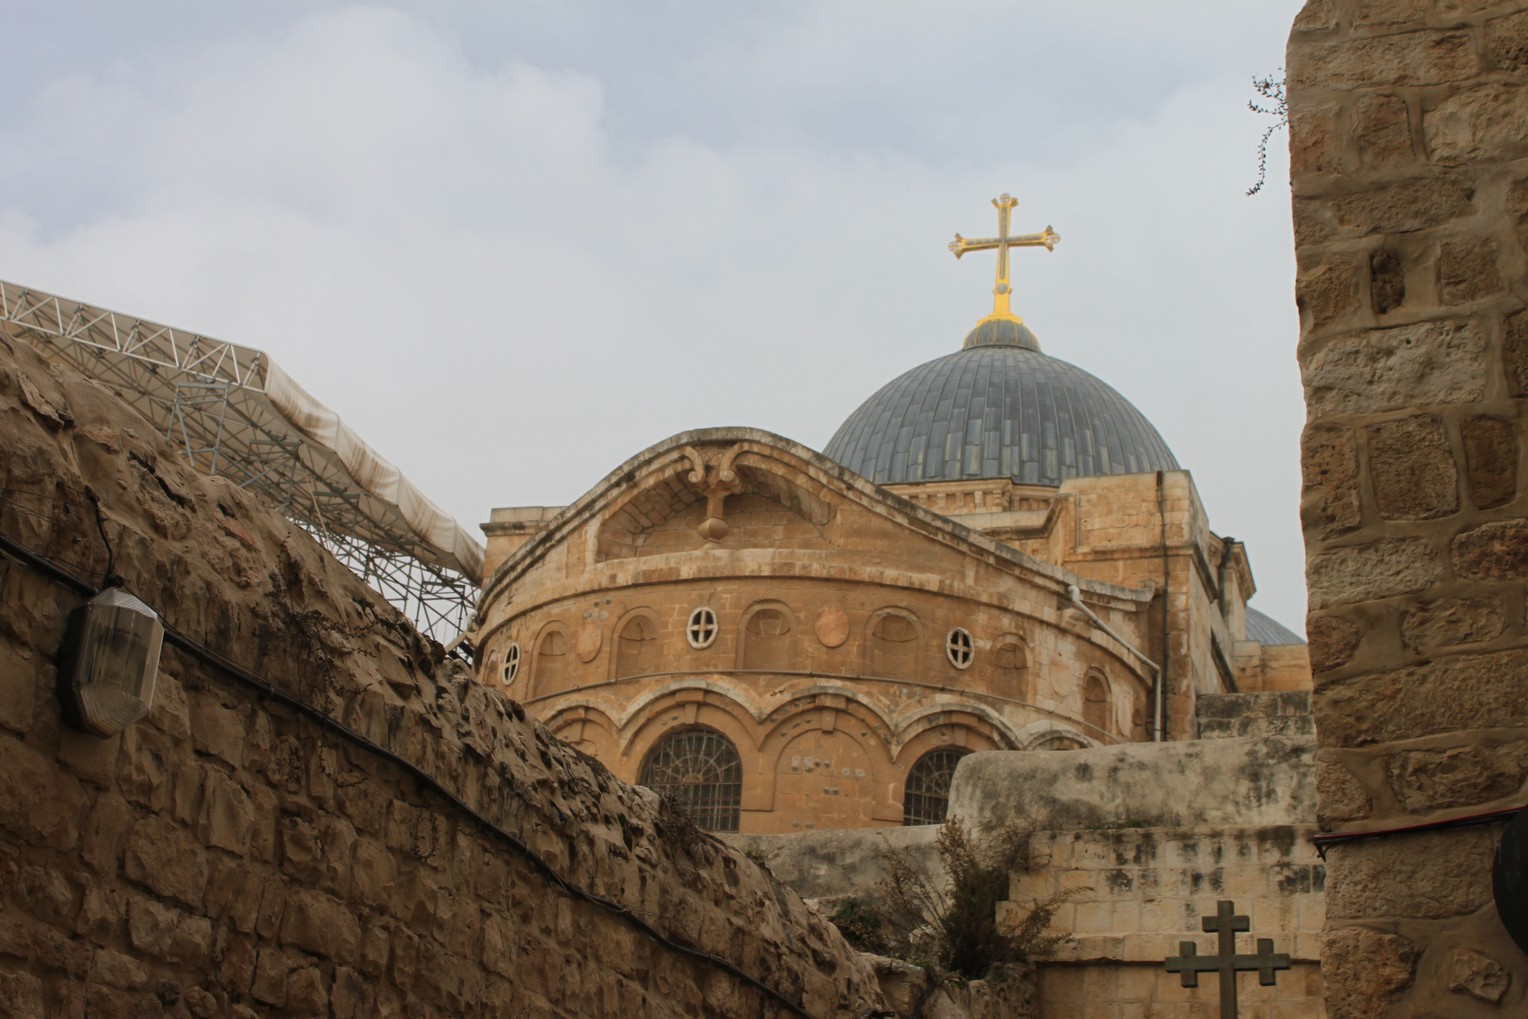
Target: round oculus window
{"x":511,"y":663}
{"x":701,"y":629}
{"x":958,"y":647}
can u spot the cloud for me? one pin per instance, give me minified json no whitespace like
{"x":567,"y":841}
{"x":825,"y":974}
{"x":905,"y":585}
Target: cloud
{"x":511,"y":270}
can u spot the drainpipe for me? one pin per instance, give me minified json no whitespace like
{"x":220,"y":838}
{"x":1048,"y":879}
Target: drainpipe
{"x":1162,"y":674}
{"x":1076,"y":597}
{"x":1227,"y":546}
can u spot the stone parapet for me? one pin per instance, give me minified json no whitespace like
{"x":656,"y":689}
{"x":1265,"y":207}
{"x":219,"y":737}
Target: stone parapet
{"x":510,"y":527}
{"x":1234,"y":782}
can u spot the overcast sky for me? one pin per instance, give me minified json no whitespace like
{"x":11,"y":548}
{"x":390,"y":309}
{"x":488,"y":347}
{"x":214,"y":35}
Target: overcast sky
{"x":513,"y":244}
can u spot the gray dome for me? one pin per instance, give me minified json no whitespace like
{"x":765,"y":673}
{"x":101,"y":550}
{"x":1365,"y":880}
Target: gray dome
{"x":997,"y":412}
{"x":1264,"y":629}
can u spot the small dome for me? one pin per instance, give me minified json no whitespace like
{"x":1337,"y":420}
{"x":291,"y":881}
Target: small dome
{"x":1001,"y":332}
{"x":997,"y":410}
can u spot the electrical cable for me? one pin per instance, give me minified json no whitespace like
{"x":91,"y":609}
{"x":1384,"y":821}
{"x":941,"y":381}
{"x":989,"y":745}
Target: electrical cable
{"x":43,"y":564}
{"x":1329,"y":839}
{"x":217,"y":662}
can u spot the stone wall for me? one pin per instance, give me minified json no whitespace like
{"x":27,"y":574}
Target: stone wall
{"x":228,"y":856}
{"x":1270,"y":668}
{"x":1255,"y":714}
{"x":831,"y":865}
{"x":1143,"y":840}
{"x":1410,"y":174}
{"x":1133,"y":895}
{"x":1201,"y":784}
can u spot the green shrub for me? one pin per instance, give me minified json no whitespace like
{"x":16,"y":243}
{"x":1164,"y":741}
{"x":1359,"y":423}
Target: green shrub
{"x":951,"y":926}
{"x":862,"y":923}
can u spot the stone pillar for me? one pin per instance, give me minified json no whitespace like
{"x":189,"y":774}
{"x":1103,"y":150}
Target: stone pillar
{"x":1409,"y":159}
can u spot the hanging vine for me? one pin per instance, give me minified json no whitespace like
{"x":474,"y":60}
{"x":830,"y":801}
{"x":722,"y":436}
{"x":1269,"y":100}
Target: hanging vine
{"x":1271,"y":102}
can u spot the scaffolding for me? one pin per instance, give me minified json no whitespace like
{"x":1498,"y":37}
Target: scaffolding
{"x":232,"y":412}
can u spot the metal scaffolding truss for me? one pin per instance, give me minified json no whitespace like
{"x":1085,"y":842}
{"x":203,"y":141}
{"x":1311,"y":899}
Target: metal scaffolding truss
{"x":234,"y":413}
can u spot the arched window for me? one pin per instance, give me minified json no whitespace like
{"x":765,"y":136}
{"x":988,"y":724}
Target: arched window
{"x":766,"y":640}
{"x":893,"y":646}
{"x":701,"y":769}
{"x":926,"y":796}
{"x":1095,"y":703}
{"x":1010,"y":666}
{"x":552,"y":662}
{"x":1059,"y":741}
{"x":636,"y":648}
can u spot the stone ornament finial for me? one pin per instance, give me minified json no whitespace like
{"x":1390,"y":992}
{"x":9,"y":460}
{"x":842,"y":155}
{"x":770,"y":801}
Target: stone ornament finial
{"x":716,"y":479}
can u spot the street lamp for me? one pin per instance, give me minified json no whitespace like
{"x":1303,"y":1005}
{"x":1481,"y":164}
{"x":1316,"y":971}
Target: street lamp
{"x":109,"y":662}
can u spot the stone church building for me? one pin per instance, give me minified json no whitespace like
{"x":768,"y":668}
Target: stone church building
{"x":995,"y":551}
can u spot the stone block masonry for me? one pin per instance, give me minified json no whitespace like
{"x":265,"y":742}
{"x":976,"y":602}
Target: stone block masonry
{"x":1133,"y":895}
{"x":1286,"y":714}
{"x":1142,"y":840}
{"x":1409,"y":161}
{"x":231,"y":856}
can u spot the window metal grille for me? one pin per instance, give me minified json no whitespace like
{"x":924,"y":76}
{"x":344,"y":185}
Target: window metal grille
{"x":958,"y":647}
{"x":701,"y":769}
{"x":701,"y":630}
{"x":926,"y":796}
{"x":511,"y":663}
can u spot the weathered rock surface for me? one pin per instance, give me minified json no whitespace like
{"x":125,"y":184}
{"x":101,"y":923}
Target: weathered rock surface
{"x":1237,"y":782}
{"x":227,"y":857}
{"x":1365,"y":968}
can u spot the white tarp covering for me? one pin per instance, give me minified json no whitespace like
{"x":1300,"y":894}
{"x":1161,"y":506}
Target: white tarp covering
{"x":371,"y":472}
{"x":163,"y":370}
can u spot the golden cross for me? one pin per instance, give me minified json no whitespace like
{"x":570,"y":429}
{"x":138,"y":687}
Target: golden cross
{"x":1002,"y":291}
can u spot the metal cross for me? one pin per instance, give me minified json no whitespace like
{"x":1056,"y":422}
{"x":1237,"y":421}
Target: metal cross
{"x":1047,"y":238}
{"x":1225,"y":923}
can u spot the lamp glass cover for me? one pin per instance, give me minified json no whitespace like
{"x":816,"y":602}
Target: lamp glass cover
{"x":114,"y":661}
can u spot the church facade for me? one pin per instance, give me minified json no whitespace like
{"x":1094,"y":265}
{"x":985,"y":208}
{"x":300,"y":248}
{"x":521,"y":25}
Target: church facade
{"x":995,"y":551}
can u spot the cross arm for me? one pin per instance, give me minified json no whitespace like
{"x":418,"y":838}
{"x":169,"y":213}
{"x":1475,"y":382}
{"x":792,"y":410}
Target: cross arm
{"x":1266,"y":961}
{"x":1189,"y":963}
{"x":1046,"y":239}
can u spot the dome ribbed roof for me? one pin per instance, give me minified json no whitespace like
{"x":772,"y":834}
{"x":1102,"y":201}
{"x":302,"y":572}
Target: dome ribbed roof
{"x":997,"y":412}
{"x":1264,"y":629}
